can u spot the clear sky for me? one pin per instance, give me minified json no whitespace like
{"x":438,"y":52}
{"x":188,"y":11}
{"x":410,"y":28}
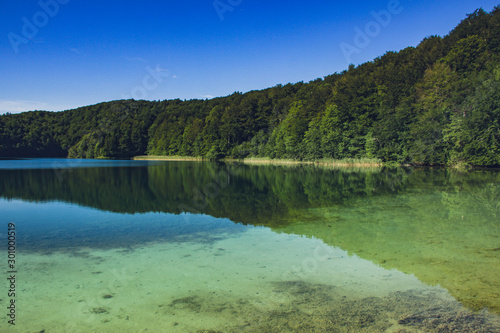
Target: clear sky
{"x":62,"y":54}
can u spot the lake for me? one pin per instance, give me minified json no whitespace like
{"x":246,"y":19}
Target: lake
{"x":162,"y":246}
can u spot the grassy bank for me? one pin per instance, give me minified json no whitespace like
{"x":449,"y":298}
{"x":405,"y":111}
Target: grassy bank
{"x":167,"y":158}
{"x":352,"y":162}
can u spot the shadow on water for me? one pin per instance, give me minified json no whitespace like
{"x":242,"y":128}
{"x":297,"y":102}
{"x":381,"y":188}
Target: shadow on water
{"x":440,"y":225}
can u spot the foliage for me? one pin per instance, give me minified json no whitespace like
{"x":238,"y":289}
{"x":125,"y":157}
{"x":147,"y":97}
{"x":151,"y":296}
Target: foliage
{"x":437,"y":103}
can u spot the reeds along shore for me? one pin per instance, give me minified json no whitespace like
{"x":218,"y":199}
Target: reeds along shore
{"x":323,"y":162}
{"x":168,"y":158}
{"x":351,"y":162}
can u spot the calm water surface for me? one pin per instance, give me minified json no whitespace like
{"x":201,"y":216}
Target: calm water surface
{"x":132,"y":246}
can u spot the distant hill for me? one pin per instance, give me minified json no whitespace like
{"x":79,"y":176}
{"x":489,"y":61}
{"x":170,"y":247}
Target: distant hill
{"x":435,"y":104}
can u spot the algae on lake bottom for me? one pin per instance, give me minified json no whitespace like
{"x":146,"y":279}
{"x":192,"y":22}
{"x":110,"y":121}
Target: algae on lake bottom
{"x":444,"y":238}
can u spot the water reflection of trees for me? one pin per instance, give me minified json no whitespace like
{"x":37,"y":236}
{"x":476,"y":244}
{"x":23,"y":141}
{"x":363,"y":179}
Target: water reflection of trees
{"x":443,"y":228}
{"x":259,"y":195}
{"x":438,"y":224}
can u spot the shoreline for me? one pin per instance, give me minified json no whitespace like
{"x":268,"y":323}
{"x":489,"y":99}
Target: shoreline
{"x":347,"y":163}
{"x":333,"y":163}
{"x":269,"y":161}
{"x":167,"y":158}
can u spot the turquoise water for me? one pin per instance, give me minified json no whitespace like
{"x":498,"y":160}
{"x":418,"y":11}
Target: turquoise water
{"x":130,"y":246}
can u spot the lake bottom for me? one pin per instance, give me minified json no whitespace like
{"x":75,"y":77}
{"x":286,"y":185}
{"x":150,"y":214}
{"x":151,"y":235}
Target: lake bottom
{"x":252,"y":281}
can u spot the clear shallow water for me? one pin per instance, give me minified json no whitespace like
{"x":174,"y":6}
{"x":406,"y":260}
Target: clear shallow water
{"x":261,"y":249}
{"x":65,"y":165}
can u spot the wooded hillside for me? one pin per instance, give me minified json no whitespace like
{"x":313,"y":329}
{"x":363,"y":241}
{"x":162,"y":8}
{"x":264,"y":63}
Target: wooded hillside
{"x":437,"y":103}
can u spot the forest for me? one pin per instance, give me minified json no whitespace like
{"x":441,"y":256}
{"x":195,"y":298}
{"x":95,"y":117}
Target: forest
{"x":434,"y":104}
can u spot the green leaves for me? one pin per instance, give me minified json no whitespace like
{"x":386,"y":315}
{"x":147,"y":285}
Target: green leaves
{"x":467,"y":55}
{"x":437,"y":103}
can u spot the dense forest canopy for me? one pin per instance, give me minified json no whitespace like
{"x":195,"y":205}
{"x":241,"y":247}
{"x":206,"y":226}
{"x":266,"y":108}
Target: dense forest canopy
{"x":437,"y":104}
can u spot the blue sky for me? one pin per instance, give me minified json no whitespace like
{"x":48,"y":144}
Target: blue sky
{"x":62,"y":54}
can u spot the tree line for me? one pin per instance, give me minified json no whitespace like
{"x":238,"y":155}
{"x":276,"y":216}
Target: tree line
{"x":433,"y":104}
